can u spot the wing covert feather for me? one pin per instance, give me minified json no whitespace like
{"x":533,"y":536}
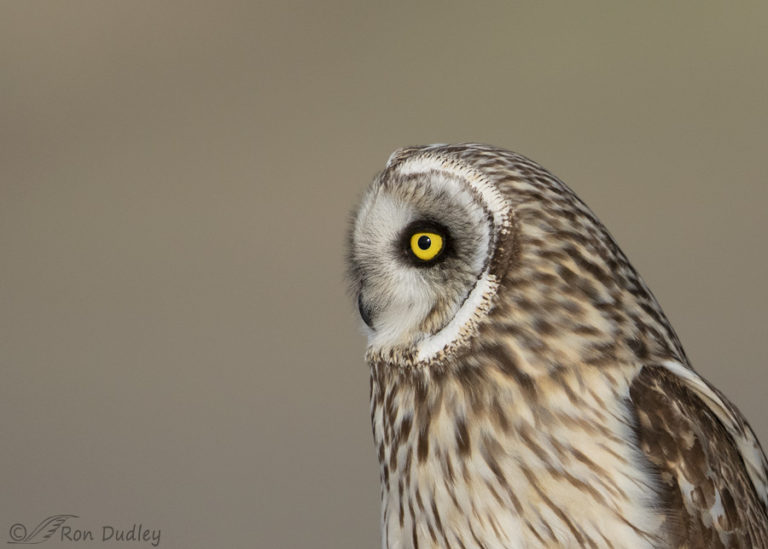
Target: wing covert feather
{"x":705,"y":488}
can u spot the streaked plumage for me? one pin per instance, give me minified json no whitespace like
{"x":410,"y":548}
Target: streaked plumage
{"x":526,"y":388}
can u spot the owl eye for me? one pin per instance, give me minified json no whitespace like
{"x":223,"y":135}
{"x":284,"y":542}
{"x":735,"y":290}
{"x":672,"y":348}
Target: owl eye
{"x":426,"y":245}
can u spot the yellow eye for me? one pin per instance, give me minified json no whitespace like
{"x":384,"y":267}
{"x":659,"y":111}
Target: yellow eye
{"x":426,"y":246}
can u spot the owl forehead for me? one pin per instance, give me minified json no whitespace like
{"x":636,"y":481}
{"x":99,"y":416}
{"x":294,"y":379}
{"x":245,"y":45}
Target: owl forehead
{"x":432,"y":186}
{"x":433,"y":195}
{"x":451,"y":176}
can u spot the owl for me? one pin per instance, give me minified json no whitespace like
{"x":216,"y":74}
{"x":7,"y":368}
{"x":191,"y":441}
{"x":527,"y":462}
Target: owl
{"x":526,"y":388}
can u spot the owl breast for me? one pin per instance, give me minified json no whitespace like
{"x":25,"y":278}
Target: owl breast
{"x":480,"y":460}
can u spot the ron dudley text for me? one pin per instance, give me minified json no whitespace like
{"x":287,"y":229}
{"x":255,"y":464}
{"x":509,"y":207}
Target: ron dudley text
{"x":137,"y":533}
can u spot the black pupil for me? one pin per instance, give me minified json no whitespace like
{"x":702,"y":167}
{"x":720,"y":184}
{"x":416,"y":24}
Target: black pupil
{"x":424,"y":242}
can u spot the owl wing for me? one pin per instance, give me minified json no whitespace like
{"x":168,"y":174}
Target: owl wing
{"x":712,"y":472}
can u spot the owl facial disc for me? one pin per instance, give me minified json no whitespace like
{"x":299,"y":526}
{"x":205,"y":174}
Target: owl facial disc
{"x":421,"y":250}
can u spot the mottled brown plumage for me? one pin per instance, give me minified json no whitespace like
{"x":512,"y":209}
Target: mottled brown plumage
{"x":526,"y":388}
{"x":704,"y":483}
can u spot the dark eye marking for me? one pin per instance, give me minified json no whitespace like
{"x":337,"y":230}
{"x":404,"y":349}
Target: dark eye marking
{"x":425,"y":243}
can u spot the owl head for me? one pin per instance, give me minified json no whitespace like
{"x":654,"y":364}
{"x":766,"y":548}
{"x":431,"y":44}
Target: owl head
{"x":449,"y":238}
{"x":425,"y":250}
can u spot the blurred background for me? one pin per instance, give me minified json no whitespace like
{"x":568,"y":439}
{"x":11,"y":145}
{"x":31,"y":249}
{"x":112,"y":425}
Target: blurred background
{"x":176,"y":179}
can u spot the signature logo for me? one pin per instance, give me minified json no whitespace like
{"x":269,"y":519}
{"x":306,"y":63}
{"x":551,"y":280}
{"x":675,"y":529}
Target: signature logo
{"x":42,"y":532}
{"x":55,"y":527}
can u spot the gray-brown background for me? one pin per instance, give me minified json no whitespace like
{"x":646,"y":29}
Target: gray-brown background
{"x":176,"y":345}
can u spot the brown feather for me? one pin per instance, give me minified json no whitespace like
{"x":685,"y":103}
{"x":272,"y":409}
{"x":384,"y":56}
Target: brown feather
{"x":709,"y":498}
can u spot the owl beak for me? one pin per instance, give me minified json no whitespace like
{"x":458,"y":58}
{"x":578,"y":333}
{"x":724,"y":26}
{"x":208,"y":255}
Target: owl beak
{"x":366,"y":311}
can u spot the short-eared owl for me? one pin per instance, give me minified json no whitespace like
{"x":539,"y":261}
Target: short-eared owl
{"x":526,"y":388}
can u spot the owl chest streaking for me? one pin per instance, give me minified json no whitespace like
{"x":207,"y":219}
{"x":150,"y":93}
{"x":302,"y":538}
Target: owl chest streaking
{"x":526,"y":388}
